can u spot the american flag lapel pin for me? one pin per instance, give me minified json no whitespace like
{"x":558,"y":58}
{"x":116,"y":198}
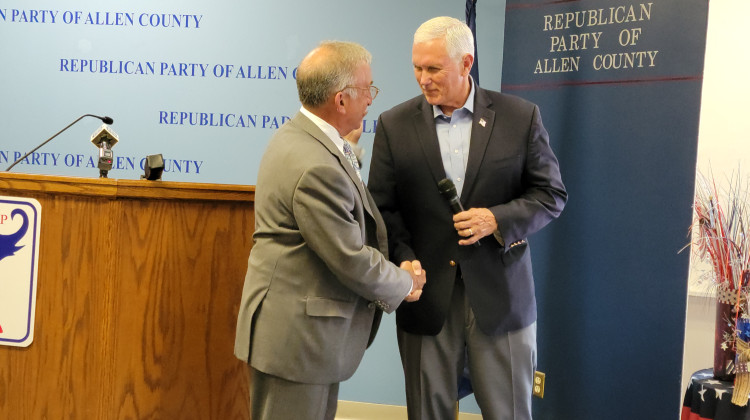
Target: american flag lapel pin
{"x":482,"y":122}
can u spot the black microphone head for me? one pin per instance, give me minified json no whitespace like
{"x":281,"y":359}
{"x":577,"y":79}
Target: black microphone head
{"x":447,"y":188}
{"x":107,"y":120}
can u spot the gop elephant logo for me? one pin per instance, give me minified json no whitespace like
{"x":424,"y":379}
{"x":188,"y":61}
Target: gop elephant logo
{"x":9,"y":243}
{"x":20,"y":226}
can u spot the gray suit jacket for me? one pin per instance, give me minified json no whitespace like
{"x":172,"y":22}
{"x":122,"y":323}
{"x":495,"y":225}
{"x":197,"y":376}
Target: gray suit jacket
{"x":317,"y":276}
{"x":511,"y":170}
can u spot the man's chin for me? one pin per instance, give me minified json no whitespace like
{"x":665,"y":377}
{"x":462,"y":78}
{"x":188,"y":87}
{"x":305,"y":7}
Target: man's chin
{"x":432,"y":98}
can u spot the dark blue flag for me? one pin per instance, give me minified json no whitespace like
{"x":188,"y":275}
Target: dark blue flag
{"x":464,"y":381}
{"x":471,"y":21}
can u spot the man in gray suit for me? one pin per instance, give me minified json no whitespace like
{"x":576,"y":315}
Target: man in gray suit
{"x":317,"y":279}
{"x":478,"y":308}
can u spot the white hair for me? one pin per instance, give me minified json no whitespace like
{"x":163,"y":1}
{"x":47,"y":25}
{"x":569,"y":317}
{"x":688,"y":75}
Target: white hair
{"x":458,"y":37}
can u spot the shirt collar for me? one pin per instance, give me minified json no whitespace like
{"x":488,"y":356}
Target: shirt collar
{"x":468,"y":105}
{"x":327,"y":129}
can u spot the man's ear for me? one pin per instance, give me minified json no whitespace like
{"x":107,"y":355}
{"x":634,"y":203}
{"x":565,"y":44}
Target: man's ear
{"x":467,"y":62}
{"x":338,"y":100}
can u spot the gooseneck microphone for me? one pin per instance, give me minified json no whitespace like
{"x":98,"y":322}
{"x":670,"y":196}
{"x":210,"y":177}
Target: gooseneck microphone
{"x":105,"y":120}
{"x":448,"y":191}
{"x":104,"y":138}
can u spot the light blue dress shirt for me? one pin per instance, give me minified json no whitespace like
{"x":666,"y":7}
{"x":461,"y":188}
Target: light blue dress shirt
{"x":454,"y":134}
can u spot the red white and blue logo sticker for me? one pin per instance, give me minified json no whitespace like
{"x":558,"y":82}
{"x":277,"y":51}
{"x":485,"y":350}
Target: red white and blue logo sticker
{"x":20,"y":221}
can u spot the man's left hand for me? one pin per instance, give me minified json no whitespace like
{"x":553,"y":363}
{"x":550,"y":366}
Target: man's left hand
{"x":474,"y":224}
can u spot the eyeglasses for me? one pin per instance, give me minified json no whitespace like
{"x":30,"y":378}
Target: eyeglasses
{"x":372,"y":89}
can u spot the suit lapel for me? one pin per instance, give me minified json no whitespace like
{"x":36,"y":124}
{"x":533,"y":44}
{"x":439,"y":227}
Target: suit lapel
{"x":381,"y":233}
{"x":306,"y":124}
{"x":424,"y":125}
{"x":481,"y":128}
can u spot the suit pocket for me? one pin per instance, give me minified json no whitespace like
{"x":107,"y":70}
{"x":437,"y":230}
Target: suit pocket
{"x":318,"y":306}
{"x":501,"y":161}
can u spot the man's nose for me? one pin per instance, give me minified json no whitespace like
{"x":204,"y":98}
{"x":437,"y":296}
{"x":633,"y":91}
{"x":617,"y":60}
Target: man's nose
{"x":424,"y":79}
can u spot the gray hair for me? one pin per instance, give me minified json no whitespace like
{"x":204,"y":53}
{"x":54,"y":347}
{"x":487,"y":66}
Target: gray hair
{"x":329,"y":70}
{"x":458,"y":37}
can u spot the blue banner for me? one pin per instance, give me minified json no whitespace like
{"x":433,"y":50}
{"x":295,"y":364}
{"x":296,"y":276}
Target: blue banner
{"x":619,"y":88}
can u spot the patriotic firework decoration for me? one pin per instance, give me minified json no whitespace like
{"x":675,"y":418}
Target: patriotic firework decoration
{"x":722,"y":239}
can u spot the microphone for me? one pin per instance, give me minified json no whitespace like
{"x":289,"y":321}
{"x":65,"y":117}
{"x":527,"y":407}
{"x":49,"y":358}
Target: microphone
{"x":448,"y":191}
{"x":106,"y":120}
{"x":105,"y":139}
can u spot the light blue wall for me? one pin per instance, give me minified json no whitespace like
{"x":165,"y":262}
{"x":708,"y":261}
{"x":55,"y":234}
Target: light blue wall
{"x":41,"y":93}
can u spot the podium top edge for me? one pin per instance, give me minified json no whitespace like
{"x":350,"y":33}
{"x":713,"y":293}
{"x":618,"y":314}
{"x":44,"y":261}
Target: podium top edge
{"x":24,"y":184}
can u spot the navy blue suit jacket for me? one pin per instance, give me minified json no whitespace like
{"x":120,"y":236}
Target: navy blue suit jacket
{"x":511,"y":170}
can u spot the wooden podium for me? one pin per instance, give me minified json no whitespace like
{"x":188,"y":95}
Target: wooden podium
{"x":139,"y":286}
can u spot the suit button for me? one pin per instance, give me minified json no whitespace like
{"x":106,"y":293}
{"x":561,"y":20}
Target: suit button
{"x":452,"y":263}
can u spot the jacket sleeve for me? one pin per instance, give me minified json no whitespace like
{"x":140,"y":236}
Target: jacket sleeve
{"x":324,"y":206}
{"x":543,"y":194}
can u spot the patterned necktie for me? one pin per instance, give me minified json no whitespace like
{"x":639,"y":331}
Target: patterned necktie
{"x":352,"y":158}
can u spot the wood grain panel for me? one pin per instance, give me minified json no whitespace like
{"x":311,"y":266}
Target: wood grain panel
{"x":184,"y":294}
{"x":137,"y":302}
{"x":56,"y":376}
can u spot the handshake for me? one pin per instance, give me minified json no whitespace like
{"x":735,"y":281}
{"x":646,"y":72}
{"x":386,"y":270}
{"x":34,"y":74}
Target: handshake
{"x":418,"y":279}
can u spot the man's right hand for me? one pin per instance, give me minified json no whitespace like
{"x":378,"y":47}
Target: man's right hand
{"x":418,"y":279}
{"x":353,"y":136}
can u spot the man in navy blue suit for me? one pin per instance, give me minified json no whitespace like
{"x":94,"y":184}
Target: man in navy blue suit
{"x":479,"y":309}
